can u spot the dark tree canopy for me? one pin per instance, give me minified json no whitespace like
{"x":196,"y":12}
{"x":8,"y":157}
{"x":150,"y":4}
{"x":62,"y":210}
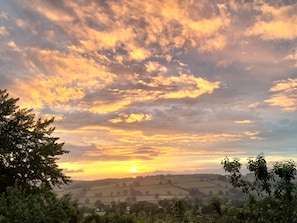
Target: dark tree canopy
{"x":28,"y":151}
{"x":272,"y":193}
{"x":18,"y":206}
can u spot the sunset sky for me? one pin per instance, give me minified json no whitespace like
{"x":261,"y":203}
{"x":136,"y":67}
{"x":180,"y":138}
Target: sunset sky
{"x":144,"y":87}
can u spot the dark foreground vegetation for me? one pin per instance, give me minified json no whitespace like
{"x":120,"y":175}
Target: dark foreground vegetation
{"x":29,"y":174}
{"x":28,"y":169}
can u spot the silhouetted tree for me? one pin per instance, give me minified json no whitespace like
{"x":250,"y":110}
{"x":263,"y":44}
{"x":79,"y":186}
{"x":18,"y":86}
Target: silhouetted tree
{"x":271,"y":194}
{"x":28,"y":152}
{"x":28,"y":168}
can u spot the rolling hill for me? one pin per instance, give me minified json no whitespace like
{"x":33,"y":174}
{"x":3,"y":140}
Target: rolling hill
{"x":149,"y":188}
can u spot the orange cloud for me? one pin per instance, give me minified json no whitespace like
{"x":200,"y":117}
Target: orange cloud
{"x":134,"y":146}
{"x":131,"y":118}
{"x":280,"y":25}
{"x":109,"y":136}
{"x":152,"y":66}
{"x":42,"y":94}
{"x":187,"y":86}
{"x":284,"y":95}
{"x":138,"y":24}
{"x":138,"y":54}
{"x":162,"y":87}
{"x":216,"y":43}
{"x":71,"y":77}
{"x":103,"y":107}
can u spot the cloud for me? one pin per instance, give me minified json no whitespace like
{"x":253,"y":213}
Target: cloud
{"x":292,"y":57}
{"x":131,"y":118}
{"x":56,"y":11}
{"x":153,"y":89}
{"x":12,"y":45}
{"x":3,"y":31}
{"x":253,"y":135}
{"x":83,"y":66}
{"x":139,"y":54}
{"x":243,"y":122}
{"x":169,"y":82}
{"x":153,"y":66}
{"x":106,"y":153}
{"x":284,"y":95}
{"x":110,"y":144}
{"x":181,"y":86}
{"x":216,"y":43}
{"x":60,"y":78}
{"x":170,"y":24}
{"x":275,"y":23}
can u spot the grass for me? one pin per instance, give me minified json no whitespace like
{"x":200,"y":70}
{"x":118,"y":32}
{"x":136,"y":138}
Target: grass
{"x":150,"y":188}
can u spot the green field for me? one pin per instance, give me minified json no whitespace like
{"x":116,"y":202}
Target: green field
{"x":149,"y":188}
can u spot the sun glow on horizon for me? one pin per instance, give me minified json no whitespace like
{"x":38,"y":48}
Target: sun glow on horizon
{"x":133,"y":169}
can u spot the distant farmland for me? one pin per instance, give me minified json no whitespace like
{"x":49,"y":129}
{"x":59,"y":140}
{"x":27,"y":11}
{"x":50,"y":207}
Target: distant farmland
{"x":150,"y":188}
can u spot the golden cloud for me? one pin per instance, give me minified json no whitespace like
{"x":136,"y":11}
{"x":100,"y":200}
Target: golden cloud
{"x":131,"y":118}
{"x":187,"y":86}
{"x":41,"y":94}
{"x":123,"y":147}
{"x":161,"y":87}
{"x":284,"y":95}
{"x":138,"y":137}
{"x":136,"y":25}
{"x":152,"y":66}
{"x":216,"y":43}
{"x":69,"y":77}
{"x":103,"y":107}
{"x":244,"y":121}
{"x":114,"y":136}
{"x":281,"y":25}
{"x":138,"y":54}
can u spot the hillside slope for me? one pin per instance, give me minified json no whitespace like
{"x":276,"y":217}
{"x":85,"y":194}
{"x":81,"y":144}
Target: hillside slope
{"x":149,"y":188}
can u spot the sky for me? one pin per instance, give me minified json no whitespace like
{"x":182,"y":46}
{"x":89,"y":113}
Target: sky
{"x":157,"y":86}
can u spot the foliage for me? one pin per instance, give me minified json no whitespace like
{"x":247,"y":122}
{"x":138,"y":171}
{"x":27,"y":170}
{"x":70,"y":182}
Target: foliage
{"x":144,"y":207}
{"x":119,"y":217}
{"x":177,"y":210}
{"x":112,"y":217}
{"x":16,"y":205}
{"x":28,"y":152}
{"x":28,"y":168}
{"x":271,"y":195}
